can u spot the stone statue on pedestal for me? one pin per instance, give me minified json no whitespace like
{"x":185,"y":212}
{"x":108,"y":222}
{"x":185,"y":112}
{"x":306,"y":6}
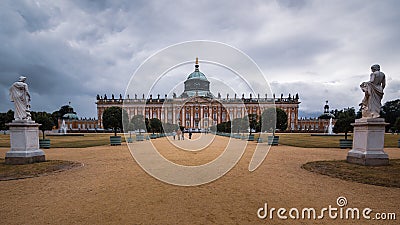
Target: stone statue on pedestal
{"x":24,"y":132}
{"x":19,"y":94}
{"x":373,"y":89}
{"x":369,"y":131}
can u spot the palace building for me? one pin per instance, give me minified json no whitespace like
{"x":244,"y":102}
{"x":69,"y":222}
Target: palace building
{"x":197,"y":108}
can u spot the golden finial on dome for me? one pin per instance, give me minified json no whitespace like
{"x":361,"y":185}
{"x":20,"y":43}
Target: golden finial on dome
{"x":197,"y":60}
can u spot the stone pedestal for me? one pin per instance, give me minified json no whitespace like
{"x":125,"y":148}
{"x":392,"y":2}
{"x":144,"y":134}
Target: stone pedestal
{"x":368,"y":142}
{"x":24,"y":138}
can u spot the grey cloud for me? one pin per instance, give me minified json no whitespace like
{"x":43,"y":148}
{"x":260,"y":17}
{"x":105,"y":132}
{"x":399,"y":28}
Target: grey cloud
{"x":73,"y":50}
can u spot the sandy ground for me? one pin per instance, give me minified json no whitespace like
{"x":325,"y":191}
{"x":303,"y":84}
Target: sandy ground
{"x":113,"y":189}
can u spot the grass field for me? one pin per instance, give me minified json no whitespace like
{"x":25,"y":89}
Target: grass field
{"x":291,"y":139}
{"x":308,"y":141}
{"x":89,"y":140}
{"x":388,"y":176}
{"x":13,"y":172}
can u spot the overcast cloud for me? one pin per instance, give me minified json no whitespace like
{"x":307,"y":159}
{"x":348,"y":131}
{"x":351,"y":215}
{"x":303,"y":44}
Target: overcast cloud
{"x":73,"y":50}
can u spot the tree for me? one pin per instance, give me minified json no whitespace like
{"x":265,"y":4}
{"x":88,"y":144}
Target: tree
{"x":391,"y":111}
{"x":55,"y":116}
{"x":45,"y":119}
{"x":396,"y":126}
{"x":237,"y":125}
{"x":6,"y":118}
{"x":272,"y":119}
{"x":253,"y":120}
{"x":156,"y":125}
{"x":138,"y":123}
{"x":281,"y":119}
{"x":224,"y":127}
{"x":112,"y":119}
{"x":268,"y":120}
{"x":344,"y":119}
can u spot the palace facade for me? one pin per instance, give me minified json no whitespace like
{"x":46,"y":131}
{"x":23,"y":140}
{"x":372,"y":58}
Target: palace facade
{"x":197,"y":108}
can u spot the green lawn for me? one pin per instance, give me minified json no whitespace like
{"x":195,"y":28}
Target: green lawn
{"x":12,"y":172}
{"x":292,"y":139}
{"x":388,"y":176}
{"x":88,"y":140}
{"x":308,"y":141}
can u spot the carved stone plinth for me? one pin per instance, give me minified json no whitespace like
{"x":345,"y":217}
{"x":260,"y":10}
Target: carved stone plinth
{"x":24,"y":138}
{"x":368,"y":142}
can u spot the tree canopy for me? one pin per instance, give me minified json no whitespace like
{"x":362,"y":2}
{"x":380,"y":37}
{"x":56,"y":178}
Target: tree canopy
{"x":273,"y":118}
{"x":112,"y":119}
{"x":281,"y":119}
{"x":391,"y":111}
{"x":6,"y":118}
{"x":155,"y":125}
{"x":344,"y":119}
{"x":138,"y":123}
{"x":45,"y":119}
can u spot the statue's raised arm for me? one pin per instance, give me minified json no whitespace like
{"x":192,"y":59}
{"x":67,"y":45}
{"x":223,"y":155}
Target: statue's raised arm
{"x":373,"y":89}
{"x":19,"y":94}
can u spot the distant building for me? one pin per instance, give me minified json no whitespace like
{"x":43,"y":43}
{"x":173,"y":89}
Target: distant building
{"x":318,"y":125}
{"x":76,"y":124}
{"x":197,"y":108}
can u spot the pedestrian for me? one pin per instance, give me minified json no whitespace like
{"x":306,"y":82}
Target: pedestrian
{"x":190,"y":134}
{"x":174,"y":134}
{"x":179,"y":133}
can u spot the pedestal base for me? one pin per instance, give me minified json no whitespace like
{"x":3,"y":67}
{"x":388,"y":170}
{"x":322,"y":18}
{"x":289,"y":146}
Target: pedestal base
{"x":24,"y":140}
{"x":25,"y":160}
{"x":365,"y":159}
{"x":368,"y":142}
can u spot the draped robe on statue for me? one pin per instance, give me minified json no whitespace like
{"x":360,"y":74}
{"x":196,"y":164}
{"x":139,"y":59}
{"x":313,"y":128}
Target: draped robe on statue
{"x":373,"y":89}
{"x":19,"y":94}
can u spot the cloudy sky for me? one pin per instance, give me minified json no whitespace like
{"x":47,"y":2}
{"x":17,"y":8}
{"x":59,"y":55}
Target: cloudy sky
{"x":73,"y":50}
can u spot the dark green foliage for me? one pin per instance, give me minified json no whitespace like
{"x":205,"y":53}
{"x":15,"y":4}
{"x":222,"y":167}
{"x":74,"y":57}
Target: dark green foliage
{"x":281,"y":119}
{"x":64,"y":110}
{"x":344,"y":118}
{"x":155,"y":125}
{"x":45,"y":119}
{"x":396,"y":125}
{"x":253,"y":120}
{"x":6,"y":118}
{"x":273,"y":118}
{"x":237,"y":125}
{"x":112,"y":119}
{"x":268,"y":120}
{"x":138,"y":123}
{"x":224,"y":127}
{"x":391,"y":111}
{"x":55,"y":116}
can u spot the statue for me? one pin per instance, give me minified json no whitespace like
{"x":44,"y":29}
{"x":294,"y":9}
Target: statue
{"x":19,"y":94}
{"x":373,"y":89}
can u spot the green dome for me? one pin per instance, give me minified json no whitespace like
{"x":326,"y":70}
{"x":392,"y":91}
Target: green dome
{"x":197,"y":75}
{"x":71,"y":116}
